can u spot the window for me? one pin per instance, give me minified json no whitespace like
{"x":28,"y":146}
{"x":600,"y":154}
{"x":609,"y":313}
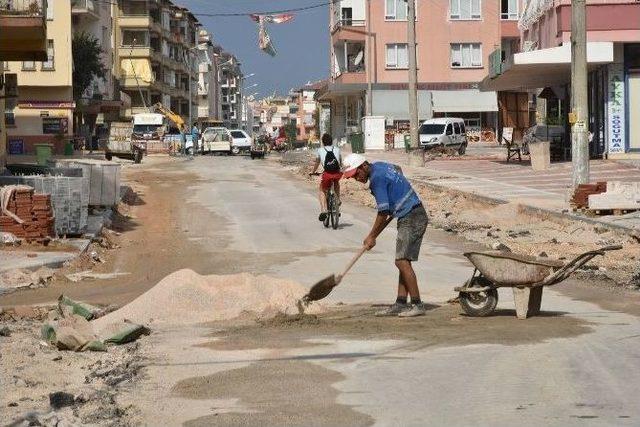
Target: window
{"x":462,"y":129}
{"x":466,"y":55}
{"x":5,"y":65}
{"x":449,"y":130}
{"x":50,"y":10}
{"x":28,"y":65}
{"x":509,"y":10}
{"x":397,"y":56}
{"x":135,"y":38}
{"x":395,"y":10}
{"x":49,"y":64}
{"x":465,"y":9}
{"x":456,"y":128}
{"x":9,"y":114}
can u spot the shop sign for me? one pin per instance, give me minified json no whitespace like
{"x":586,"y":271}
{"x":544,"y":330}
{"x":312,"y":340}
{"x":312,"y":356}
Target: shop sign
{"x":15,"y":146}
{"x":54,"y":125}
{"x":616,"y":109}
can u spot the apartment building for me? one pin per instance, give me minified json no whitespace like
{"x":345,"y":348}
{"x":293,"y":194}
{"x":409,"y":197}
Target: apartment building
{"x":23,"y":37}
{"x":155,"y":43}
{"x":43,"y":110}
{"x":209,"y":90}
{"x":369,"y":60}
{"x":306,"y":111}
{"x":543,"y":64}
{"x":230,"y":77}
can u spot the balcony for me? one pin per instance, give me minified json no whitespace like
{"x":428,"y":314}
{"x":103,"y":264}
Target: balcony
{"x":135,"y":21}
{"x":349,"y":29}
{"x":86,"y":8}
{"x":24,"y":30}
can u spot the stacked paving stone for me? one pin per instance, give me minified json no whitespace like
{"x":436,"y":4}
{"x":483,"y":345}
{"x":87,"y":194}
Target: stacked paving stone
{"x":36,"y":212}
{"x":70,"y":202}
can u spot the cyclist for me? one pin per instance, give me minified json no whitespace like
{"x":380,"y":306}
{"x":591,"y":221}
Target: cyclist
{"x":329,"y":156}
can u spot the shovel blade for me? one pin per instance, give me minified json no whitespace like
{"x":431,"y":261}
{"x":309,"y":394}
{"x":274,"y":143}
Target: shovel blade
{"x":321,"y":289}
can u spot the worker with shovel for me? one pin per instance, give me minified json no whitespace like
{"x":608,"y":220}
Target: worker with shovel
{"x":395,"y":198}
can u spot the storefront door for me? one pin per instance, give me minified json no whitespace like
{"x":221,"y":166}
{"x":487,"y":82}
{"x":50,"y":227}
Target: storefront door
{"x":634,"y":110}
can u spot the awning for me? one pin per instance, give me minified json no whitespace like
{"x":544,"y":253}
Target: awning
{"x":337,"y":90}
{"x":545,"y":67}
{"x":394,"y":104}
{"x":464,"y":101}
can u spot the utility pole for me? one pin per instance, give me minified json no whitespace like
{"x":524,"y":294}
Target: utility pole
{"x":413,"y":78}
{"x":369,"y":61}
{"x":579,"y":117}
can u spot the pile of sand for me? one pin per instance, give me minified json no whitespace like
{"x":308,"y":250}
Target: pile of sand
{"x":186,"y":297}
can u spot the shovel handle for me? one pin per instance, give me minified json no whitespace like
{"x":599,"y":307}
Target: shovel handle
{"x":362,"y":250}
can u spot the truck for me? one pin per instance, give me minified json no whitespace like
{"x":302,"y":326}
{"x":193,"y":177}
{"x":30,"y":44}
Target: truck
{"x":120,"y":143}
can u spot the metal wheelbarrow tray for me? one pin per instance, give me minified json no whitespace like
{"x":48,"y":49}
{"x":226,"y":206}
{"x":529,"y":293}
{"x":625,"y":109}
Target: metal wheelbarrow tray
{"x":525,"y":274}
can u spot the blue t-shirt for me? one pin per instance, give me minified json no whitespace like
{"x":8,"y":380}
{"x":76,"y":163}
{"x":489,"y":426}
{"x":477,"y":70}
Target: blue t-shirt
{"x":392,"y":190}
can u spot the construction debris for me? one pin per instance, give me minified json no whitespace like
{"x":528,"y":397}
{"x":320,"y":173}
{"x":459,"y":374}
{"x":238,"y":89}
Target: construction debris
{"x":580,"y":198}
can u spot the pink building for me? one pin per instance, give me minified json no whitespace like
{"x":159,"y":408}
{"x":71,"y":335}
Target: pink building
{"x":613,"y":55}
{"x":369,"y":60}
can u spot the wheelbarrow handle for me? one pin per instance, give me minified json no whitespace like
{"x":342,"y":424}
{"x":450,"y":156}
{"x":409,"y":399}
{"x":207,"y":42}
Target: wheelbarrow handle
{"x":611,"y":248}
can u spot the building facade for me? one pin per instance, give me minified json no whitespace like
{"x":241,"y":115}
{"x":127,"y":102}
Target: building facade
{"x":209,"y":90}
{"x":307,"y":112}
{"x":369,"y":60}
{"x":230,"y":78}
{"x":23,"y":37}
{"x":43,"y":110}
{"x":543,"y":65}
{"x":155,"y":43}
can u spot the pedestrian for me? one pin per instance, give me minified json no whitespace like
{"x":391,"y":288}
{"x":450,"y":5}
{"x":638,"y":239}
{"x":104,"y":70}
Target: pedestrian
{"x":394,"y":198}
{"x":195,"y":135}
{"x":329,"y":156}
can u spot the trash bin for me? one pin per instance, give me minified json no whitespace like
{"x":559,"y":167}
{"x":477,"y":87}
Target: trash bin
{"x":68,"y":148}
{"x":43,"y":153}
{"x":540,"y":155}
{"x":357,"y":142}
{"x":407,"y":142}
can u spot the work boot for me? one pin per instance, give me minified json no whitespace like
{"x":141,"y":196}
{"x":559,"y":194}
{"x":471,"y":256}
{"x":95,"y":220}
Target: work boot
{"x":393,"y":310}
{"x":414,"y":311}
{"x":322,"y":216}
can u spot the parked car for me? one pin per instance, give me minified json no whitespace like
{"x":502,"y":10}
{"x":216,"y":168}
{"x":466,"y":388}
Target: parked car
{"x":446,"y":132}
{"x":240,"y":141}
{"x":216,"y":140}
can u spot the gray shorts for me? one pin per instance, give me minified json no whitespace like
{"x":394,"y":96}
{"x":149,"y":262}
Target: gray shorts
{"x":411,"y":229}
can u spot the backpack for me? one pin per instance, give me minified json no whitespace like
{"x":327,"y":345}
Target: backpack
{"x":331,"y":163}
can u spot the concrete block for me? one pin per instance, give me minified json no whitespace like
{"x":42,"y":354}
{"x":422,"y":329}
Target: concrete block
{"x":540,"y":155}
{"x":619,"y":195}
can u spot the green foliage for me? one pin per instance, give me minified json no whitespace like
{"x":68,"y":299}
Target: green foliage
{"x":87,"y":63}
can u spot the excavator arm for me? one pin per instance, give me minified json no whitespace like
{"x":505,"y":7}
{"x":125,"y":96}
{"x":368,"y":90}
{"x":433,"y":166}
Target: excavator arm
{"x":158,"y":107}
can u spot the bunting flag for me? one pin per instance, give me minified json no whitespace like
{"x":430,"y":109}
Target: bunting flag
{"x":264,"y":41}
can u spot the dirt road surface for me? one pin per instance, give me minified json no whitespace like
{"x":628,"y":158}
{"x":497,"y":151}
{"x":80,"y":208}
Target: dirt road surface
{"x":576,"y":364}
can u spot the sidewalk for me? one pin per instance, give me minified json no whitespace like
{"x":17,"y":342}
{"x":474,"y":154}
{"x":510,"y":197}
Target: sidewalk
{"x":516,"y":182}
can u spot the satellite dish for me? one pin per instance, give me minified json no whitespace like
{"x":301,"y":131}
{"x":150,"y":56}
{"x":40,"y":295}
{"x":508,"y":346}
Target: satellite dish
{"x":358,"y":58}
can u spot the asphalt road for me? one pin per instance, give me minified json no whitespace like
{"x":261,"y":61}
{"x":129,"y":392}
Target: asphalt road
{"x":575,"y":365}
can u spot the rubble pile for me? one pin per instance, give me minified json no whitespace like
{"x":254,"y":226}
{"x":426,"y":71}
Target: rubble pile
{"x":28,"y":216}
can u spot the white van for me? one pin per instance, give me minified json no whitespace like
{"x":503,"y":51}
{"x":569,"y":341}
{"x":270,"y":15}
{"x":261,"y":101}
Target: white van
{"x":445,"y":132}
{"x":240,"y":141}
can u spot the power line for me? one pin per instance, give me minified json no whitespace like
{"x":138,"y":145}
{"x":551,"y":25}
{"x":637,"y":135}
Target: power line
{"x":271,"y":12}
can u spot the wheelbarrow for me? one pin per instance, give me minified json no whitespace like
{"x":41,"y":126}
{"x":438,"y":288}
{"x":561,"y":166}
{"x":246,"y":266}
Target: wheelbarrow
{"x":527,"y":276}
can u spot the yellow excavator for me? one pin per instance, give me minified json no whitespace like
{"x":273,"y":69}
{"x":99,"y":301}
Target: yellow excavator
{"x":175,"y":118}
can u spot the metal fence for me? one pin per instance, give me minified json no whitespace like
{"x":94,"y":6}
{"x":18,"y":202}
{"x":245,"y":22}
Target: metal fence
{"x":23,"y":7}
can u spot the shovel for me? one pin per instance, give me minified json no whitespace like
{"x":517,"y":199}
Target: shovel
{"x":324,"y":287}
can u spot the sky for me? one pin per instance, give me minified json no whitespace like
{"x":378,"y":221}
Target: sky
{"x":302,"y":44}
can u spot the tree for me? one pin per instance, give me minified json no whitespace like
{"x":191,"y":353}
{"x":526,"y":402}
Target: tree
{"x":87,"y":62}
{"x":291,"y":131}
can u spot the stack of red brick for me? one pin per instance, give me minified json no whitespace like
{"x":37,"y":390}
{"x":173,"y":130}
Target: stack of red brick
{"x":36,"y":212}
{"x":580,"y":199}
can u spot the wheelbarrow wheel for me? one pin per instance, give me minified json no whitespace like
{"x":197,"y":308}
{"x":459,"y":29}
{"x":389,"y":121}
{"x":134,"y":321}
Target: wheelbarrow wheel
{"x":479,"y":304}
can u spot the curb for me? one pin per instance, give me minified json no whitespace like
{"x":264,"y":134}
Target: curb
{"x":526,"y":208}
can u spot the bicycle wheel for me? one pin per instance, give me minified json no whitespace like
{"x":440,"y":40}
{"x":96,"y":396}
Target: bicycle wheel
{"x":334,"y":212}
{"x":329,"y":203}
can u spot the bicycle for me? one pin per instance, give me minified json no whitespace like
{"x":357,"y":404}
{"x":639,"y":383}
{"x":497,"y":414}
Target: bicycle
{"x":333,"y":207}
